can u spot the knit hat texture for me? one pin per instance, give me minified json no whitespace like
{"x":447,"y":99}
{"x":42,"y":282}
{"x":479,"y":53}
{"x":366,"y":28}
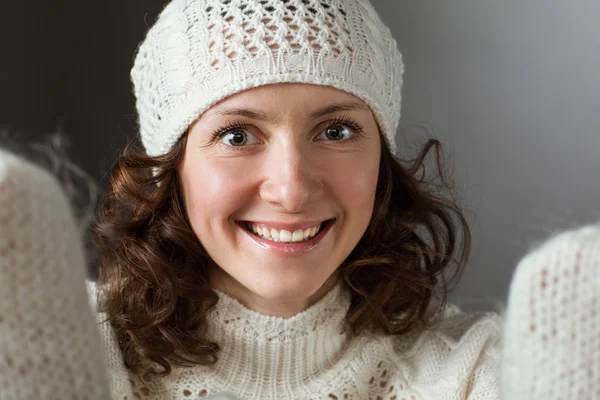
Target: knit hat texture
{"x":201,"y":51}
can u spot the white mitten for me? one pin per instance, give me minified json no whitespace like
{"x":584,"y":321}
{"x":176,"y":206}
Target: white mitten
{"x":49,"y":343}
{"x":551,"y":333}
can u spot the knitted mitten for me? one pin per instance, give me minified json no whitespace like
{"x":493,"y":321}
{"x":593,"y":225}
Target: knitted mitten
{"x":50,"y":346}
{"x":551,"y":332}
{"x":49,"y":342}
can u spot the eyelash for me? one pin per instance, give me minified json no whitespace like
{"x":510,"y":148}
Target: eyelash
{"x":358,"y":130}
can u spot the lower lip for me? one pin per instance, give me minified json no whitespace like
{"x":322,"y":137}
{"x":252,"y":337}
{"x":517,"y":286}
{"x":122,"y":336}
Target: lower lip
{"x":289,"y":249}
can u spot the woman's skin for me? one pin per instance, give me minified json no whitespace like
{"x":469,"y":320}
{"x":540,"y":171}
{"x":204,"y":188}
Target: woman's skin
{"x":286,"y":169}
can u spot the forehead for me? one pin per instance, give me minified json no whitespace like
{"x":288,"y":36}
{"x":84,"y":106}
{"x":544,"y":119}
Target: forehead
{"x":289,"y":98}
{"x":295,"y":90}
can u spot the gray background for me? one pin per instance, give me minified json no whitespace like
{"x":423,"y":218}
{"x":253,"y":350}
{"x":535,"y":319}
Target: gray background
{"x":509,"y":87}
{"x":512,"y":90}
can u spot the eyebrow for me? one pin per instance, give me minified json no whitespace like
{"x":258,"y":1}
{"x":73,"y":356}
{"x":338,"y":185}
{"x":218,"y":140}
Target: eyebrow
{"x":261,"y":116}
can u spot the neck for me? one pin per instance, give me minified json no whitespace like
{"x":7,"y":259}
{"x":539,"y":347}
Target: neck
{"x":268,"y":352}
{"x":280,"y":306}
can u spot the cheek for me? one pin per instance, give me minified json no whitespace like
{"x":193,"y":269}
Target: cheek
{"x":212,"y":190}
{"x":355,"y":184}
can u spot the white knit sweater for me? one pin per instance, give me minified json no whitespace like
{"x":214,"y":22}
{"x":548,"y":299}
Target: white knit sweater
{"x":308,"y":357}
{"x":50,"y":347}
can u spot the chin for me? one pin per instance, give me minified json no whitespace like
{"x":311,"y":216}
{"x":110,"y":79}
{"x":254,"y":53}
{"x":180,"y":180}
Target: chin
{"x":285,"y":290}
{"x":287,"y":293}
{"x":272,"y":283}
{"x":296,"y":287}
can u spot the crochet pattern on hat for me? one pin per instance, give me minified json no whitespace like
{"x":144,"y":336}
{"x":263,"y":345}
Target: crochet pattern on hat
{"x":200,"y":52}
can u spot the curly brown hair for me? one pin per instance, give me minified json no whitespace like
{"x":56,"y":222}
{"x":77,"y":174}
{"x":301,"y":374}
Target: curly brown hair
{"x":154,"y":272}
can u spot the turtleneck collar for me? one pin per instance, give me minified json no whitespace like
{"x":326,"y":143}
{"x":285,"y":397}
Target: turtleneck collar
{"x":265,"y":352}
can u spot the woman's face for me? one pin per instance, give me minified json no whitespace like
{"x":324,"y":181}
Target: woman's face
{"x":279,"y":184}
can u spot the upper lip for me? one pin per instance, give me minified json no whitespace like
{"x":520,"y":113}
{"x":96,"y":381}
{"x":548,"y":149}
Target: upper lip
{"x":287,"y":226}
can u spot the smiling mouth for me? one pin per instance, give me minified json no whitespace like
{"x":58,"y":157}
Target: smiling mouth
{"x":285,"y":236}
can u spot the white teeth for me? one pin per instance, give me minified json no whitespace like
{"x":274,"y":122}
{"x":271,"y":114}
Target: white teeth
{"x":306,"y":233}
{"x":298,"y":236}
{"x":284,"y":235}
{"x":275,"y":234}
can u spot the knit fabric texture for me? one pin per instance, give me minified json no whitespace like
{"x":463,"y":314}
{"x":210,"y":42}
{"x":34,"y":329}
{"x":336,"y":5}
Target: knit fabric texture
{"x":309,"y":356}
{"x":200,"y":52}
{"x":552,"y":328}
{"x":49,"y":345}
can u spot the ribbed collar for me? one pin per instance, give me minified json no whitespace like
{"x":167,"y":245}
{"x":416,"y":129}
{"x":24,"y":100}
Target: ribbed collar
{"x":261,"y":352}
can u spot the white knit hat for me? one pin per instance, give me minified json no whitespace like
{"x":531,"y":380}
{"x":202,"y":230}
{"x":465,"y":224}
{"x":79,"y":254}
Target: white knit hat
{"x":202,"y":51}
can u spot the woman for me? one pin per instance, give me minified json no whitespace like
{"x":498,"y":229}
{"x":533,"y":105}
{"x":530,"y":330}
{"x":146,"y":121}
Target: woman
{"x":51,"y":348}
{"x":266,"y":242}
{"x":284,"y":253}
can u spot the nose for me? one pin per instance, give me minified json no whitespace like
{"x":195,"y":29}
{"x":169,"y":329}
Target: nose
{"x":292,"y":178}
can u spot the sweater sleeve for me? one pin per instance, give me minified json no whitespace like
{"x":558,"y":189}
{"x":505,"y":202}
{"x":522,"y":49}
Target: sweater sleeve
{"x":483,"y":382}
{"x":552,"y":323}
{"x":120,"y":383}
{"x":49,"y":342}
{"x":456,"y":359}
{"x":474,"y":341}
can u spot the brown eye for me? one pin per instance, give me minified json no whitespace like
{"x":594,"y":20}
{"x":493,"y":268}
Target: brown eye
{"x":236,"y":139}
{"x":336,"y":132}
{"x":239,"y":138}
